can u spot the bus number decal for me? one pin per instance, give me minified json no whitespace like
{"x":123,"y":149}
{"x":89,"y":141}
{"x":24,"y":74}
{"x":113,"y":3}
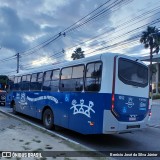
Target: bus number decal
{"x":80,"y":108}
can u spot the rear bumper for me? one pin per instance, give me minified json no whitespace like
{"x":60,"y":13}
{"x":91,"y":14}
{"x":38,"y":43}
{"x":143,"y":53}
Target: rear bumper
{"x":112,"y":126}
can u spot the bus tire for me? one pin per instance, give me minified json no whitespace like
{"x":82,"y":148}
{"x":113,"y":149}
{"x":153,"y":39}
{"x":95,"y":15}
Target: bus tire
{"x":48,"y":119}
{"x":14,"y":109}
{"x":13,"y":106}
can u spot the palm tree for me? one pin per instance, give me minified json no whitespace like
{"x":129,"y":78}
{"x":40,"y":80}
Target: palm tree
{"x":151,"y":39}
{"x":78,"y":53}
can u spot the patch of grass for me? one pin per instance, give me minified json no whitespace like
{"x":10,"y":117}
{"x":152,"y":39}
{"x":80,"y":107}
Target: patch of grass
{"x":26,"y":148}
{"x":27,"y":143}
{"x":35,"y":140}
{"x":48,"y":147}
{"x":11,"y":127}
{"x":42,"y":158}
{"x":39,"y":149}
{"x":60,"y":141}
{"x":67,"y":158}
{"x":21,"y":140}
{"x":157,"y":96}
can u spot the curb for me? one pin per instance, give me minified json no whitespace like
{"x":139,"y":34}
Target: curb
{"x":99,"y":154}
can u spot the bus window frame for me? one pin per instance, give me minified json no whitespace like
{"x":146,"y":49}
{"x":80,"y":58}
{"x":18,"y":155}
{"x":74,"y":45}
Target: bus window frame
{"x":37,"y":73}
{"x":19,"y":87}
{"x":25,"y":82}
{"x":88,"y":77}
{"x":127,"y":82}
{"x":71,"y":76}
{"x":44,"y":74}
{"x":58,"y":89}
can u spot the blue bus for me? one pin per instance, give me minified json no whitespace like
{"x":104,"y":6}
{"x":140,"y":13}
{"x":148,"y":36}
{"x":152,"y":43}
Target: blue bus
{"x":102,"y":94}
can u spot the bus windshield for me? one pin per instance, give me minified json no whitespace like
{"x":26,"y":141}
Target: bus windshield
{"x":132,"y":73}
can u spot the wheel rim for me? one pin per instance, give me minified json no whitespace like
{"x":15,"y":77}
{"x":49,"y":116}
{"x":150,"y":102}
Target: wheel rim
{"x":48,"y":119}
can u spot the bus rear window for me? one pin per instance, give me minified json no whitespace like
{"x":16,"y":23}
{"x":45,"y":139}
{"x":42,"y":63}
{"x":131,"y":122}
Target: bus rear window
{"x":132,"y":73}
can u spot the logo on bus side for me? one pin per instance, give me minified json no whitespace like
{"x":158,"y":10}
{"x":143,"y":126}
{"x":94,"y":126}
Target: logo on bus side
{"x":80,"y":108}
{"x":22,"y":101}
{"x":130,"y":102}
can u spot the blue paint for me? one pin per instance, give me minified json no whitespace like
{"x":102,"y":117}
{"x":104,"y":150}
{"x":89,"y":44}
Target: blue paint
{"x":133,"y":107}
{"x":124,"y":110}
{"x":76,"y":111}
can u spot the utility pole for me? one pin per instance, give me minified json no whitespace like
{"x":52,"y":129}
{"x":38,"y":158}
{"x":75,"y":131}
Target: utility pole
{"x":17,"y":62}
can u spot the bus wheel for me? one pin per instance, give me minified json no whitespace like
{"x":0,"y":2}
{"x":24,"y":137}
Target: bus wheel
{"x":48,"y":119}
{"x":14,"y":109}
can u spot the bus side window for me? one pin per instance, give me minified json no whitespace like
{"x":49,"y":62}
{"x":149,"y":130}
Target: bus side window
{"x":23,"y":82}
{"x":17,"y":82}
{"x":93,"y":76}
{"x":77,"y":78}
{"x":33,"y":83}
{"x":39,"y":80}
{"x":65,"y":80}
{"x":55,"y":80}
{"x":47,"y":81}
{"x":72,"y":78}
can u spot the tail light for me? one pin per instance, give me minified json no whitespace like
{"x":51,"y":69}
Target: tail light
{"x":113,"y":101}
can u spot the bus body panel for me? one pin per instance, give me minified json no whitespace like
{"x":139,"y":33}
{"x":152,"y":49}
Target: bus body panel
{"x":130,"y":102}
{"x":81,"y":112}
{"x":112,"y":126}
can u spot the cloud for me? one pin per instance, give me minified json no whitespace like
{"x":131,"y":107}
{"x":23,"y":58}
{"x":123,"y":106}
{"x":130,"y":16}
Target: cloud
{"x":25,"y":24}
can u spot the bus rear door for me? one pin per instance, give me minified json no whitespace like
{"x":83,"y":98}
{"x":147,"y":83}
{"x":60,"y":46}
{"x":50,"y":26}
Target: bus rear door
{"x":130,"y":90}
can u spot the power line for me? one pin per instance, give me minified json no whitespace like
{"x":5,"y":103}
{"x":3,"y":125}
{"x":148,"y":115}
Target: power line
{"x":62,"y":32}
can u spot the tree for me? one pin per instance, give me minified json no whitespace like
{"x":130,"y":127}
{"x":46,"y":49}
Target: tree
{"x":78,"y":53}
{"x":151,"y":39}
{"x":3,"y":81}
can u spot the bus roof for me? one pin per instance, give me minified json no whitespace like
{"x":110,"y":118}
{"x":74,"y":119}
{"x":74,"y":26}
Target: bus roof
{"x":74,"y":62}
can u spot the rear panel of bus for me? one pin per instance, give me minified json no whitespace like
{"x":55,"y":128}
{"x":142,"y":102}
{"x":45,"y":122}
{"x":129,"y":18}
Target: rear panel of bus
{"x":129,"y":101}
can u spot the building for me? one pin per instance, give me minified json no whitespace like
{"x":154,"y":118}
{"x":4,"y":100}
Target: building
{"x":156,"y":76}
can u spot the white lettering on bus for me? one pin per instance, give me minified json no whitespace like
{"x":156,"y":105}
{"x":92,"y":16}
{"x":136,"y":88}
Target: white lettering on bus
{"x":43,"y":98}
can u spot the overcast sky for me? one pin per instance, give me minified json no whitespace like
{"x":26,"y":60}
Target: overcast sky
{"x":25,"y":24}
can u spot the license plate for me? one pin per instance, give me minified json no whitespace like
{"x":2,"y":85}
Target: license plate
{"x":134,"y":126}
{"x":132,"y":118}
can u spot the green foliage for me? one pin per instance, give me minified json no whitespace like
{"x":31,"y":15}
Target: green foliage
{"x":153,"y":69}
{"x":151,"y":39}
{"x":3,"y":82}
{"x":78,"y":53}
{"x":157,"y":96}
{"x":3,"y":79}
